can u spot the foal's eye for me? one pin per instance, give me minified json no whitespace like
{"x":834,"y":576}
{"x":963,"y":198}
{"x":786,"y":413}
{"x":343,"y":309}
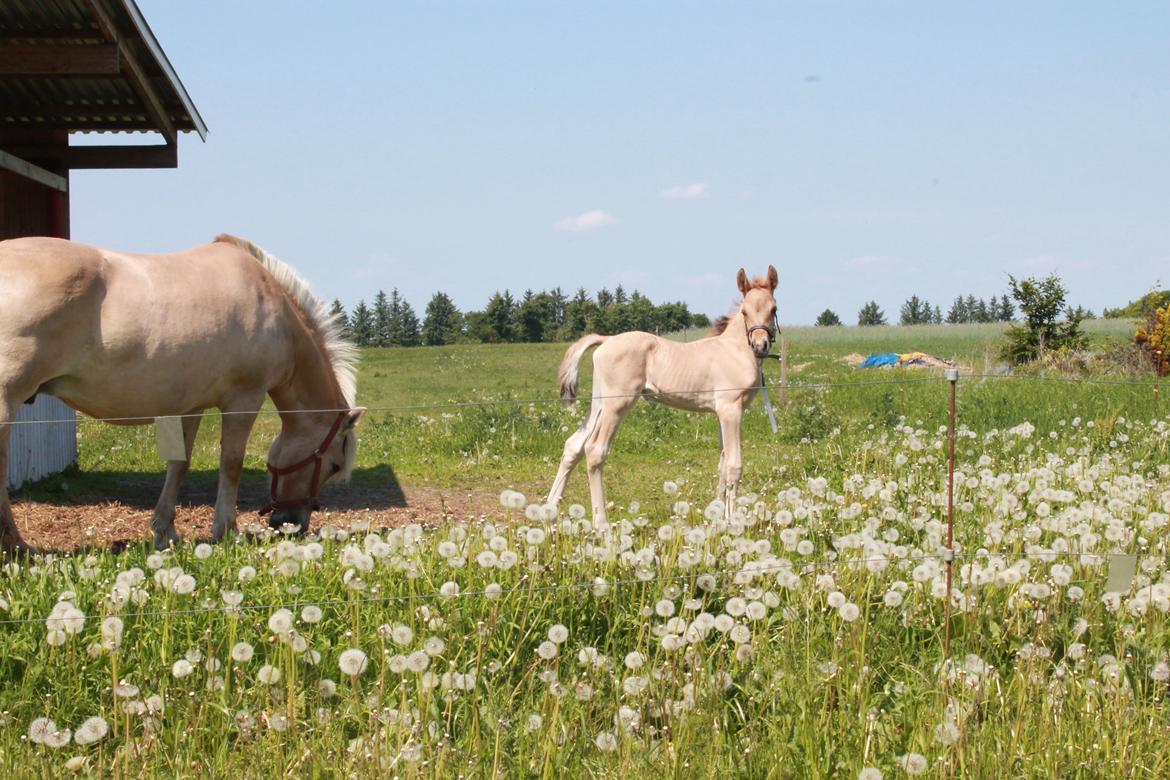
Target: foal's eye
{"x":336,"y":468}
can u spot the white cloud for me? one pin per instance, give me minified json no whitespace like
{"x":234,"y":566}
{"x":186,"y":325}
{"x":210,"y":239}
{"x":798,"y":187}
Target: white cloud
{"x":1039,"y":261}
{"x":684,"y":192}
{"x":630,"y":277}
{"x":708,"y":280}
{"x":590,"y":220}
{"x":870,"y":262}
{"x":374,"y":267}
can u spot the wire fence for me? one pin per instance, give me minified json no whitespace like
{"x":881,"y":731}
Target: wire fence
{"x":805,"y":567}
{"x":1153,"y":384}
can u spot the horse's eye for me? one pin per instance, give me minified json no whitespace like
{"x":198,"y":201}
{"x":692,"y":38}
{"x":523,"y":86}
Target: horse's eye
{"x":336,"y":468}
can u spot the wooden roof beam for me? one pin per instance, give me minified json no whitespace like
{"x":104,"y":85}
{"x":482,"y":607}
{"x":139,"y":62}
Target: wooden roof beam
{"x":135,"y":74}
{"x":90,"y":157}
{"x":59,"y":60}
{"x":11,"y":162}
{"x":153,"y":156}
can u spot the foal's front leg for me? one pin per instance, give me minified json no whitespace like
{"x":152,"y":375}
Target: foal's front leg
{"x":237,"y":427}
{"x":731,"y":462}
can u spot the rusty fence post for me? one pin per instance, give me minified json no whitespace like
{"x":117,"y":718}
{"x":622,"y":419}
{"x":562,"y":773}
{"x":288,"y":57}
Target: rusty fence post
{"x":952,"y":377}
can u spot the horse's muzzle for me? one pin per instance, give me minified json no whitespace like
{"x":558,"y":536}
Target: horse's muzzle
{"x":298,"y":517}
{"x":762,"y":347}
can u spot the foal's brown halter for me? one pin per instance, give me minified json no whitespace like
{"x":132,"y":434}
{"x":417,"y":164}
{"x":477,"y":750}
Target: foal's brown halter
{"x":314,"y":458}
{"x":770,"y":329}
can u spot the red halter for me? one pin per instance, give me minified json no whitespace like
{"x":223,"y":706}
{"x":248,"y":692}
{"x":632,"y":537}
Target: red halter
{"x":314,"y":458}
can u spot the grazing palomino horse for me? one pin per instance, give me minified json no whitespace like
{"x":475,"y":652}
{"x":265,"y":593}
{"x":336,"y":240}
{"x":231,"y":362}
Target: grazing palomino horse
{"x":717,"y":374}
{"x":119,"y":335}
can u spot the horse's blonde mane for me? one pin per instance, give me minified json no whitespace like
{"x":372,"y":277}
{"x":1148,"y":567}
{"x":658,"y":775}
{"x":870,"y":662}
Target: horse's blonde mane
{"x":343,"y":355}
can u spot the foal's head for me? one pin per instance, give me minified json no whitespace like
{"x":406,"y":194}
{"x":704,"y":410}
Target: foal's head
{"x":759,"y":309}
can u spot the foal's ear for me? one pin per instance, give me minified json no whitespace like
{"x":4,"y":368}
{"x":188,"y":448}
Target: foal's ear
{"x":773,"y":277}
{"x":742,"y":280}
{"x":354,"y":416}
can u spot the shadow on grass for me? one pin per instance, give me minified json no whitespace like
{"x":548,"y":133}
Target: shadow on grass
{"x":376,"y":487}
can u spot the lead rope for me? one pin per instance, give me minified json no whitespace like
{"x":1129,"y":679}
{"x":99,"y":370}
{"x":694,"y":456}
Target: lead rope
{"x":764,"y":384}
{"x":767,"y":400}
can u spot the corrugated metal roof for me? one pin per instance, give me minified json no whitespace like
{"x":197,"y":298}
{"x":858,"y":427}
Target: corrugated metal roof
{"x":89,"y":103}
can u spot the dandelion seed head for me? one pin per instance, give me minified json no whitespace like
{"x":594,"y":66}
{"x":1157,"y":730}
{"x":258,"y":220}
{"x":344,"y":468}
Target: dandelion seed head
{"x":352,"y":662}
{"x":92,"y":730}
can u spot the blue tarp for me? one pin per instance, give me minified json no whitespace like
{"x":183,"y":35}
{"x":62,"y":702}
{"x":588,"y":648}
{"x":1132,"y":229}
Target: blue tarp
{"x":881,"y":359}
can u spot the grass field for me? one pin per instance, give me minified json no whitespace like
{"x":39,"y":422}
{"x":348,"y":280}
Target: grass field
{"x":427,"y":437}
{"x":802,"y":638}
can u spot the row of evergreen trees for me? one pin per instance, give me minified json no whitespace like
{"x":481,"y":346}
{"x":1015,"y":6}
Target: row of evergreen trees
{"x":536,"y":316}
{"x":918,"y":311}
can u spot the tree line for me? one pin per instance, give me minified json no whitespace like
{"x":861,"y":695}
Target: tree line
{"x":919,"y":311}
{"x":534,"y":317}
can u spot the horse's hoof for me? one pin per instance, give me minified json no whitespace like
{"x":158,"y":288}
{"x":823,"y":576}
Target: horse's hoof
{"x":170,"y":539}
{"x":13,"y":550}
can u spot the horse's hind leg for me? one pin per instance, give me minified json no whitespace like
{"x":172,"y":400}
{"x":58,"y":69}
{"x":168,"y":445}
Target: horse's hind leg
{"x":597,"y":448}
{"x":163,"y":520}
{"x":574,"y":449}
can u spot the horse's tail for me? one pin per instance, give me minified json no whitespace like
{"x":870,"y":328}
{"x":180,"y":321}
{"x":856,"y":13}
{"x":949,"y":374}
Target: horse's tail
{"x":569,"y":376}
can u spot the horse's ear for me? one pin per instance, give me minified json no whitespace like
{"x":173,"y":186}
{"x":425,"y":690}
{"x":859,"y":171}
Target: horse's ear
{"x":742,"y":280}
{"x":773,"y":277}
{"x":354,"y":416}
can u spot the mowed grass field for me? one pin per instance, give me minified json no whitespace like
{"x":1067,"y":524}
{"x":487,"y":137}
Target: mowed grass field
{"x":801,"y":634}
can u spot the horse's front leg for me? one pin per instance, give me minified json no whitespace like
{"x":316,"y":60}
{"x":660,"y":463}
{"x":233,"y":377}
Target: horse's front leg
{"x":162,"y":522}
{"x":731,"y":463}
{"x":237,"y":427}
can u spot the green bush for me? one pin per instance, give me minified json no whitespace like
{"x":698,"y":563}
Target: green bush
{"x":1042,"y":301}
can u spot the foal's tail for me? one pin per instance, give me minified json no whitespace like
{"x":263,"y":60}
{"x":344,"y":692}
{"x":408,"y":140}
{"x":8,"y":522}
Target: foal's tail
{"x":569,"y":376}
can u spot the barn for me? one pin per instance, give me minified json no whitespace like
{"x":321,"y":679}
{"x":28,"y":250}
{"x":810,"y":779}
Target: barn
{"x":66,"y":67}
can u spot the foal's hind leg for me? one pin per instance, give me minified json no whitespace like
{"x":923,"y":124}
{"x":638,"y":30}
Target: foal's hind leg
{"x":574,"y":449}
{"x":597,"y":448}
{"x":163,"y":520}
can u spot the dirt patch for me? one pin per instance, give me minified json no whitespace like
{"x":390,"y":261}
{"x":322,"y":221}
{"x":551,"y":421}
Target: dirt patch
{"x":799,"y":367}
{"x":853,"y":359}
{"x":101,"y":525}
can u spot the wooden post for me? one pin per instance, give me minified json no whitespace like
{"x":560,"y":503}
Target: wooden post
{"x":783,"y":370}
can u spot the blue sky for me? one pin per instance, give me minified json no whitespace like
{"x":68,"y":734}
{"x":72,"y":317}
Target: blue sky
{"x":868,"y":150}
